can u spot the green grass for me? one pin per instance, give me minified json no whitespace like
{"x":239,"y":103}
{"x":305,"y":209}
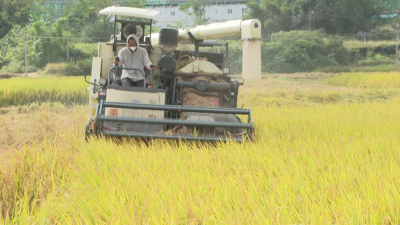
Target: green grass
{"x":350,"y":44}
{"x":380,"y":68}
{"x":24,"y":91}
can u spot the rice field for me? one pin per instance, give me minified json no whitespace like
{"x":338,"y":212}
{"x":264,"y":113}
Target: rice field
{"x":372,"y":80}
{"x":27,"y":90}
{"x":326,"y":152}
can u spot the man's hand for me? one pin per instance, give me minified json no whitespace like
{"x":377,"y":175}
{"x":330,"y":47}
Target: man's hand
{"x":116,"y":60}
{"x":153,"y":67}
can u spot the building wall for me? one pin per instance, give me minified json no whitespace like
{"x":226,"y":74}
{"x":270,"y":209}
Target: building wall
{"x":216,"y":11}
{"x":392,"y":6}
{"x":56,"y":7}
{"x":170,"y":14}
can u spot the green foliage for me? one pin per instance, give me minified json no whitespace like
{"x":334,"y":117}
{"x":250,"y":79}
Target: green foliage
{"x":8,"y":44}
{"x":4,"y":27}
{"x":11,"y":40}
{"x":84,"y":19}
{"x":288,"y":50}
{"x":16,"y":66}
{"x":87,"y":48}
{"x":379,"y":56}
{"x":274,"y":15}
{"x":197,"y":11}
{"x":334,"y":69}
{"x":13,"y":13}
{"x":286,"y":53}
{"x":12,"y":52}
{"x":41,"y":51}
{"x":176,"y":25}
{"x":297,"y":34}
{"x":385,"y":49}
{"x":44,"y":44}
{"x":383,"y":33}
{"x":325,"y":61}
{"x":289,"y":59}
{"x":379,"y":68}
{"x":68,"y":69}
{"x":338,"y":51}
{"x":335,"y":17}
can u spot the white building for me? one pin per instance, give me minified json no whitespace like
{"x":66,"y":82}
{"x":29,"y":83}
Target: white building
{"x":215,"y":11}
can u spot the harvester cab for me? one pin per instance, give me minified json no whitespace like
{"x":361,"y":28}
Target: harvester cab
{"x":190,"y":95}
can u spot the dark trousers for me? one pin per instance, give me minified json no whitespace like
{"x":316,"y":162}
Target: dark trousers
{"x":128,"y":82}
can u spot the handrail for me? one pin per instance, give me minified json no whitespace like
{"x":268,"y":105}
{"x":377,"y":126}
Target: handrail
{"x":125,"y":68}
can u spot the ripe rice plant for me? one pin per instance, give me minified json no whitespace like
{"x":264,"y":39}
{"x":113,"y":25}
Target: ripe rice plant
{"x":366,"y":80}
{"x":345,"y":88}
{"x":23,"y":90}
{"x":311,"y":163}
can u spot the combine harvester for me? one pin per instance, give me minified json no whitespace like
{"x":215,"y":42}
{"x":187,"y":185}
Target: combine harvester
{"x":188,"y":97}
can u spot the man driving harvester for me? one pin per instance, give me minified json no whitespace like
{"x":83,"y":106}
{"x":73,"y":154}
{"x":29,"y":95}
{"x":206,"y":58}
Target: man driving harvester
{"x":133,"y":56}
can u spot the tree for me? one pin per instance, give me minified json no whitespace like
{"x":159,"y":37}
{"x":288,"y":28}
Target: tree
{"x":4,"y":27}
{"x":16,"y":11}
{"x":335,"y":17}
{"x":13,"y":12}
{"x":196,"y":10}
{"x":275,"y":15}
{"x":84,"y":19}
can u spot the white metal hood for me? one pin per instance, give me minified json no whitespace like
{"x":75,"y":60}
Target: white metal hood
{"x":130,"y":11}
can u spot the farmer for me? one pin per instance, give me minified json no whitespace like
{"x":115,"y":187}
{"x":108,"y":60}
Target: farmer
{"x":133,"y":56}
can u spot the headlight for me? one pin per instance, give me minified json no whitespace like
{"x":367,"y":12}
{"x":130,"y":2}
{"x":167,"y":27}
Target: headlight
{"x":103,"y":82}
{"x":225,"y":70}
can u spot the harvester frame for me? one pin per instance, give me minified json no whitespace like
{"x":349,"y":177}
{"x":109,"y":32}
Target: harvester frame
{"x":158,"y":110}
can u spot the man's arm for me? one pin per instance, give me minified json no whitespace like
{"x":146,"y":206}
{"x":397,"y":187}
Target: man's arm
{"x":119,"y":61}
{"x":147,"y":62}
{"x":121,"y":57}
